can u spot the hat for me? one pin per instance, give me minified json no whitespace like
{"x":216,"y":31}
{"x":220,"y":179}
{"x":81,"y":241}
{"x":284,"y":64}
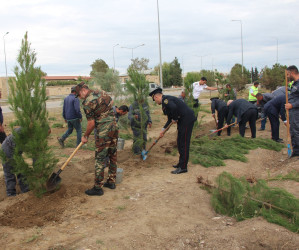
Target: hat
{"x":73,"y":89}
{"x":155,"y":91}
{"x":78,"y":87}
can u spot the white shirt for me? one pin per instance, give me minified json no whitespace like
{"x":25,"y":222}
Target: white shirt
{"x":197,"y":88}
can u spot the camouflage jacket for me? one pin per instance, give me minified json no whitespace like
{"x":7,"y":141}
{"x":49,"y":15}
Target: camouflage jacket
{"x":98,"y":106}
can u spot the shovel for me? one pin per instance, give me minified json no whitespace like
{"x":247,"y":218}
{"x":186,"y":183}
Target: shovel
{"x":213,"y":132}
{"x":54,"y":179}
{"x":144,"y":153}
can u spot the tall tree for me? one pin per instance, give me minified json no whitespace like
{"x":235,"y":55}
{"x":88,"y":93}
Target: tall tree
{"x":28,"y":102}
{"x":175,"y":73}
{"x":98,"y":66}
{"x":237,"y":79}
{"x":273,"y":77}
{"x":139,"y":64}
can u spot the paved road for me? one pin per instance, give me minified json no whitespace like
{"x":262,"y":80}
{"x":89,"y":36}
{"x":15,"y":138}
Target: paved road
{"x":58,"y":103}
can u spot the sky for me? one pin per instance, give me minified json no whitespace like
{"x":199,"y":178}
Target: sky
{"x":69,"y":35}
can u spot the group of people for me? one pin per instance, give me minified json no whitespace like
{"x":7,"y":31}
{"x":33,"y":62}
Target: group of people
{"x":268,"y":105}
{"x":102,"y":118}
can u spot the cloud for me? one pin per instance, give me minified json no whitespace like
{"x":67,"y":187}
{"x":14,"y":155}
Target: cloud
{"x":69,"y":35}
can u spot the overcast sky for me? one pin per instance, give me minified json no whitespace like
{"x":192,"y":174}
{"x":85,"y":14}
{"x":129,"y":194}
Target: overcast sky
{"x":70,"y":35}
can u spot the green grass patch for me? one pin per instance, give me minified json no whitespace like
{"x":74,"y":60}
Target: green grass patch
{"x":211,"y":152}
{"x":292,"y":176}
{"x":57,"y":125}
{"x":52,"y":119}
{"x":120,"y":208}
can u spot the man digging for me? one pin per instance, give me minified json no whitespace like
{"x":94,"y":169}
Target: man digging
{"x":177,"y":112}
{"x":100,"y":117}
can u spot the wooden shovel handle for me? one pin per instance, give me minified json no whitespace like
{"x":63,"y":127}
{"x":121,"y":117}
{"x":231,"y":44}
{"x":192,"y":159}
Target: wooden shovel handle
{"x":71,"y":156}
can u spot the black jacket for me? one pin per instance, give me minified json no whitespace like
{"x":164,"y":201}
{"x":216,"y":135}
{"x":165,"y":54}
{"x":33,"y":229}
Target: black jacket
{"x":238,"y":108}
{"x":177,"y":110}
{"x":276,"y":107}
{"x":217,"y":104}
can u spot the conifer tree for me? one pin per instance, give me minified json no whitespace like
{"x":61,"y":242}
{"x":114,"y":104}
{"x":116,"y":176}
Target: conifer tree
{"x":139,"y":87}
{"x":32,"y":156}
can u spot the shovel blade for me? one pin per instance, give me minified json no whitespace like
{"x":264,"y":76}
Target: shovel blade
{"x":144,"y":154}
{"x":53,"y":182}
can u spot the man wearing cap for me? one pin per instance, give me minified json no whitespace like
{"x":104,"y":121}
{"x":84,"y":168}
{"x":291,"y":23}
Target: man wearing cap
{"x":177,"y":112}
{"x":222,"y":112}
{"x":97,"y":106}
{"x":72,"y":116}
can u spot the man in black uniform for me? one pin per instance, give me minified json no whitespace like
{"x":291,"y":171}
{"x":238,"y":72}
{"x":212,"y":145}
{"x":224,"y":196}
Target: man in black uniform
{"x":177,"y":112}
{"x":273,"y":109}
{"x":222,"y":112}
{"x":244,"y":111}
{"x":262,"y":99}
{"x":293,"y":107}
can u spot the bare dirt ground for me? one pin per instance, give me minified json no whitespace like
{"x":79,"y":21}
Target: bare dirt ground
{"x":150,"y":209}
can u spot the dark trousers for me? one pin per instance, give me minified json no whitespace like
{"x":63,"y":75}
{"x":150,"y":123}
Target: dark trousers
{"x":263,"y":122}
{"x":183,"y":141}
{"x":195,"y":103}
{"x":138,"y":142}
{"x":2,"y":137}
{"x":294,"y":130}
{"x":274,"y":121}
{"x":11,"y":180}
{"x":249,"y":116}
{"x":222,"y":114}
{"x":71,"y":124}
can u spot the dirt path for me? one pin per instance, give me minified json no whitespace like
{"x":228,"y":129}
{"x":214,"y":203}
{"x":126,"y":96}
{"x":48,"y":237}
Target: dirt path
{"x":150,"y":209}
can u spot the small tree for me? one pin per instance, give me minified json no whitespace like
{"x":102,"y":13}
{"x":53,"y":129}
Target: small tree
{"x":237,"y":79}
{"x":99,"y":66}
{"x":138,"y":86}
{"x":274,"y":77}
{"x":139,"y":64}
{"x":28,"y":102}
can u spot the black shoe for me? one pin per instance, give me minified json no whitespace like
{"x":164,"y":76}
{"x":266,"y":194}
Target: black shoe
{"x":94,"y":191}
{"x":60,"y":142}
{"x":109,"y":185}
{"x":279,"y":140}
{"x":176,"y":166}
{"x":261,"y":129}
{"x":179,"y":171}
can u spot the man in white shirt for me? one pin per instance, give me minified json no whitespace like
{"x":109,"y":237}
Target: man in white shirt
{"x":198,"y":87}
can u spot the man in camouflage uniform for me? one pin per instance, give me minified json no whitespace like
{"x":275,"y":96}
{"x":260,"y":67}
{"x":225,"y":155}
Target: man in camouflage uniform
{"x":97,"y":106}
{"x":137,"y":117}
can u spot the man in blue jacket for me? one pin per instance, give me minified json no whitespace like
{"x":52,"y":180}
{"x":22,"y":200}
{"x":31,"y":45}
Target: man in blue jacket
{"x":245,"y":112}
{"x":273,"y":109}
{"x":293,"y":107}
{"x":72,"y":116}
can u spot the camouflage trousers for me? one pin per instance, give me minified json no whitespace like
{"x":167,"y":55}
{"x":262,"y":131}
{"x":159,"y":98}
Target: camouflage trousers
{"x":106,"y":152}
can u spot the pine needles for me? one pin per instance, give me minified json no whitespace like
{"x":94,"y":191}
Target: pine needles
{"x":237,"y":198}
{"x":212,"y":152}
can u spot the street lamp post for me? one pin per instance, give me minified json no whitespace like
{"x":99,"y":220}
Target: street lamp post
{"x":133,"y":48}
{"x":277,"y":50}
{"x":161,"y":81}
{"x":241,"y":41}
{"x":6,"y":64}
{"x":113,"y":57}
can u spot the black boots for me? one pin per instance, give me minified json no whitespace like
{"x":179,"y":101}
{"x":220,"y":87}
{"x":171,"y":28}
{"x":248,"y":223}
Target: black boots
{"x":94,"y":191}
{"x":179,"y":171}
{"x":109,"y":185}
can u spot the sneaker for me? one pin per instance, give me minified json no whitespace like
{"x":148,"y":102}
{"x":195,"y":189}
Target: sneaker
{"x":61,"y":142}
{"x":109,"y":185}
{"x":94,"y":191}
{"x":279,"y":140}
{"x":179,"y":171}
